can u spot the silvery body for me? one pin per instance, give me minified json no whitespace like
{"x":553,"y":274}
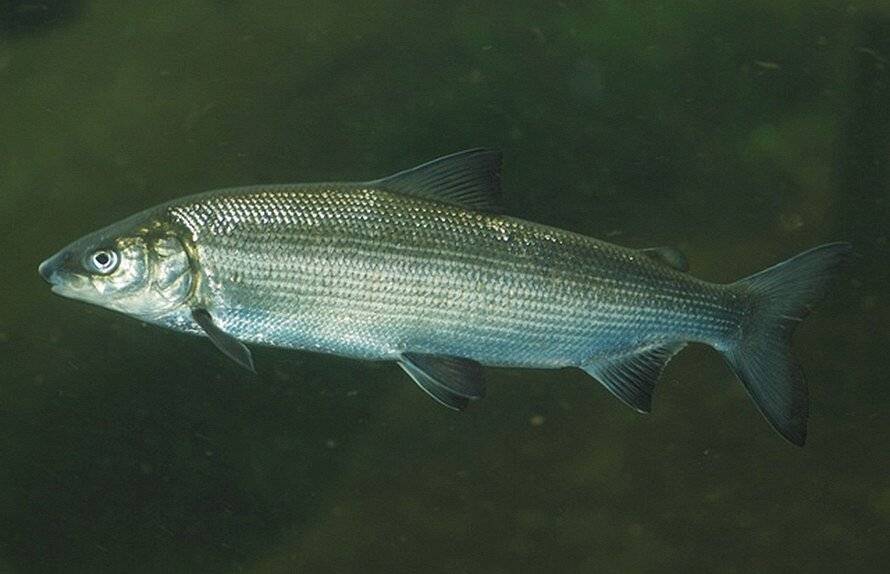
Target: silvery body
{"x":418,"y":268}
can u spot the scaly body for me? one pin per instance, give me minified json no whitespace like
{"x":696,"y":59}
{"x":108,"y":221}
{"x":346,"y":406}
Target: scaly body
{"x":358,"y":271}
{"x":419,"y":269}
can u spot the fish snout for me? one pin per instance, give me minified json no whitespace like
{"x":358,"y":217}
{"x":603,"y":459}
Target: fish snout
{"x":49,"y":268}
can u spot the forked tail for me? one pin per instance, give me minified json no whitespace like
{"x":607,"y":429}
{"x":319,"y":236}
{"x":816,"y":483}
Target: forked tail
{"x":780,"y":297}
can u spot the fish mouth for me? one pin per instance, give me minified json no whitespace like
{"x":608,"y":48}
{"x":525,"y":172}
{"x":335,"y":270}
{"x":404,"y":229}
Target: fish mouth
{"x":53,"y":271}
{"x":69,"y":288}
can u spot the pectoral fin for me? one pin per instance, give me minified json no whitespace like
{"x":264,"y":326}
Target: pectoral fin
{"x":229,"y":345}
{"x":451,"y":381}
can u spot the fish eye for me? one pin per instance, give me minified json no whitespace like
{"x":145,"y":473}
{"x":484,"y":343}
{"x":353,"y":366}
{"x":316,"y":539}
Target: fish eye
{"x":103,"y":261}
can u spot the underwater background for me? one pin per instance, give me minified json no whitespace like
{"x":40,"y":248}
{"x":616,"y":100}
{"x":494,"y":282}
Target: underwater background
{"x":741,"y":132}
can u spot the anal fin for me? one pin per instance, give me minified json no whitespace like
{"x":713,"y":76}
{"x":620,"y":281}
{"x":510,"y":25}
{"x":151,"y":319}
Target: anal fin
{"x":632,"y":377}
{"x":452,"y":381}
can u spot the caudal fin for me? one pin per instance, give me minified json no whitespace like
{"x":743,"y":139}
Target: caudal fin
{"x":781,"y":297}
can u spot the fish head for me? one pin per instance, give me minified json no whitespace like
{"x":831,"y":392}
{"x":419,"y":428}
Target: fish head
{"x":138,"y":268}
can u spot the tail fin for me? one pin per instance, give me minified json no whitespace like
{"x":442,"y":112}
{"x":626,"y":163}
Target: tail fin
{"x":781,"y":297}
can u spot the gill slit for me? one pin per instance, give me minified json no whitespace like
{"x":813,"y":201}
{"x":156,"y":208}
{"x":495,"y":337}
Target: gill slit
{"x":192,"y":299}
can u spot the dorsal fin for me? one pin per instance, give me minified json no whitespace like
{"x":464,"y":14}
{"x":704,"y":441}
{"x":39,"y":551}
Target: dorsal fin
{"x":470,"y":178}
{"x":632,"y":377}
{"x":670,"y":256}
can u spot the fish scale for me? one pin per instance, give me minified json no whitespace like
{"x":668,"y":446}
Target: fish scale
{"x":506,"y":291}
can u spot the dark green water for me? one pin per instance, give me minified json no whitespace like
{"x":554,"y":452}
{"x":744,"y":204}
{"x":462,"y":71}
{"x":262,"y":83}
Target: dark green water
{"x":742,"y":132}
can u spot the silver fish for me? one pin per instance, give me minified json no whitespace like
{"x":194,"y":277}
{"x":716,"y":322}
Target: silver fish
{"x":421,"y":269}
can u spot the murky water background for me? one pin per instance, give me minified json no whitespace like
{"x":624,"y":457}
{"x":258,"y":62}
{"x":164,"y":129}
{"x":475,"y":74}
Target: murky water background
{"x":741,"y":132}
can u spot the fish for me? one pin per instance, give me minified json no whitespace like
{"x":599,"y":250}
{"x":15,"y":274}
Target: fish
{"x":425,"y":269}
